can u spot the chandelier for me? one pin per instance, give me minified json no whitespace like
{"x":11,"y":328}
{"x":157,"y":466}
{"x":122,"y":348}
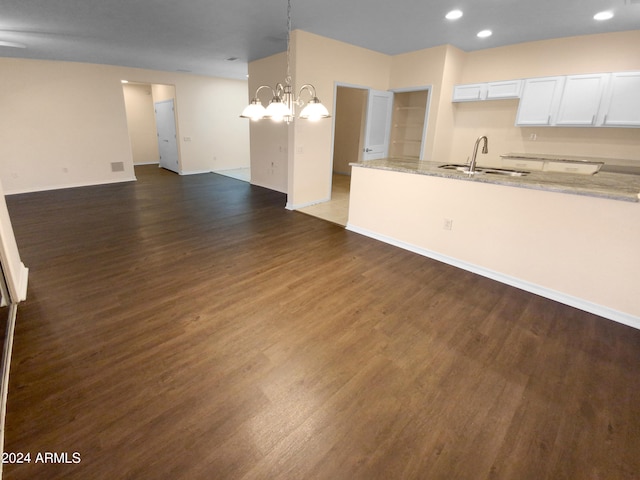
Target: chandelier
{"x":283,"y":102}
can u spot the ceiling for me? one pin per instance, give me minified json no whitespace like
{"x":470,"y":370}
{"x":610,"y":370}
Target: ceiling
{"x":199,"y":36}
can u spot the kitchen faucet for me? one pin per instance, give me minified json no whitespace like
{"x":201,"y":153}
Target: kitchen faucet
{"x":485,"y":149}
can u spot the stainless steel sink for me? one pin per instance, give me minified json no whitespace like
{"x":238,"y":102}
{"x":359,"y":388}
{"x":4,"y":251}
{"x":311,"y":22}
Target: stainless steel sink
{"x":482,"y":170}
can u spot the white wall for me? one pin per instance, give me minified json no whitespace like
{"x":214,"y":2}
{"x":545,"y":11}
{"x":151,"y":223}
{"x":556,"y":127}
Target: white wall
{"x":64,"y":123}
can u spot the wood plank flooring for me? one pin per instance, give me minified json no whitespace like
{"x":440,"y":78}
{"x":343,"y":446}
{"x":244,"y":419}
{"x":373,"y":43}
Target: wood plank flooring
{"x":193,"y":328}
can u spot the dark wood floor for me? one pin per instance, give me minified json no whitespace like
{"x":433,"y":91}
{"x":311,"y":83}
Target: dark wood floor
{"x":192,"y":328}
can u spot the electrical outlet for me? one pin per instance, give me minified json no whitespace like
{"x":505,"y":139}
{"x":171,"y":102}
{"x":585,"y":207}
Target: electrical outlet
{"x":533,"y":137}
{"x":447,"y":224}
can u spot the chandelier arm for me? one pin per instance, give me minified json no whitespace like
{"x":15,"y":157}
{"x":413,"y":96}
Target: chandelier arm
{"x":279,"y":90}
{"x":273,"y":93}
{"x":310,"y":88}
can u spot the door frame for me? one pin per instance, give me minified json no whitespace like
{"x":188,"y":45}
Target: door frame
{"x":429,"y":89}
{"x":337,"y":84}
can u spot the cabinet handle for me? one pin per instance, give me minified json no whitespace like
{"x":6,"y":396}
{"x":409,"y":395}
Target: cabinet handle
{"x":593,"y":120}
{"x":549,"y":120}
{"x":605,"y":119}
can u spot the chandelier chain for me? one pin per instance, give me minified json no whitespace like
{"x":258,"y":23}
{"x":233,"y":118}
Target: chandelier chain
{"x":288,"y":79}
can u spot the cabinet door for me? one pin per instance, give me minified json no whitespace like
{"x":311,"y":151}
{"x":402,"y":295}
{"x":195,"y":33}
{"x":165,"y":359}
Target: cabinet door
{"x":469,"y":93}
{"x":539,"y":102}
{"x":580,"y":100}
{"x":622,"y":102}
{"x":503,"y":90}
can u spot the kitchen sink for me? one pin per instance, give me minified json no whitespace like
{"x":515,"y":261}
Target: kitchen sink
{"x":484,"y":170}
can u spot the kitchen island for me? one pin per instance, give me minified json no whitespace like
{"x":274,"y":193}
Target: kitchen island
{"x":572,"y":238}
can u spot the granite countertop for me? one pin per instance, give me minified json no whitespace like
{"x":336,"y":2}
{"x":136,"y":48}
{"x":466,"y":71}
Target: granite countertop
{"x":614,"y":186}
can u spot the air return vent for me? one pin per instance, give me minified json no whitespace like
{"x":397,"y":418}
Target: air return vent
{"x":117,"y":166}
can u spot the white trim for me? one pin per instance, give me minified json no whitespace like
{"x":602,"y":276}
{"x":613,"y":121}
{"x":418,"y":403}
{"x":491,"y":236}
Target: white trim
{"x":23,"y":282}
{"x":290,"y":206}
{"x":192,"y":172}
{"x":429,"y":89}
{"x":146,"y":163}
{"x":585,"y":305}
{"x":70,"y":185}
{"x":6,"y":367}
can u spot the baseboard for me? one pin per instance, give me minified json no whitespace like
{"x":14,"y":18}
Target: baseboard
{"x":291,"y":206}
{"x":579,"y":303}
{"x":194,"y":172}
{"x":69,"y":185}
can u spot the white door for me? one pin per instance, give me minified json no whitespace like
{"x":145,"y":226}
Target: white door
{"x":378,"y":126}
{"x":167,"y":142}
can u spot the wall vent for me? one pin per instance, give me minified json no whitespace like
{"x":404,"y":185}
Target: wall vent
{"x":117,"y":166}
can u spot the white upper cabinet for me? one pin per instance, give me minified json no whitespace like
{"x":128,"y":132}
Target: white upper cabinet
{"x":591,"y":100}
{"x":621,"y":106}
{"x":504,"y":90}
{"x":581,"y":99}
{"x":474,"y":92}
{"x":540,"y":101}
{"x":469,"y":93}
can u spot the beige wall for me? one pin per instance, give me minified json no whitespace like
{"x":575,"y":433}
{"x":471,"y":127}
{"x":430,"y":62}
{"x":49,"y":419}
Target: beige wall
{"x":350,"y":109}
{"x":324,"y":63}
{"x":609,"y":52}
{"x":269,"y":140}
{"x":64,"y":123}
{"x":453,"y":128}
{"x":138,"y":101}
{"x":515,"y":235}
{"x":420,"y":69}
{"x":496,"y":119}
{"x":163,"y":92}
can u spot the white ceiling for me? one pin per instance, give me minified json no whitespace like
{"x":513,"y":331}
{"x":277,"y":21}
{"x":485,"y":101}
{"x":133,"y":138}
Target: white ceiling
{"x":199,"y":36}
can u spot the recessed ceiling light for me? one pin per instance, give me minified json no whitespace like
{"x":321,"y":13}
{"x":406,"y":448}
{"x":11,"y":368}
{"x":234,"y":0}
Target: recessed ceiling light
{"x":453,"y":15}
{"x":485,"y":33}
{"x":606,"y":15}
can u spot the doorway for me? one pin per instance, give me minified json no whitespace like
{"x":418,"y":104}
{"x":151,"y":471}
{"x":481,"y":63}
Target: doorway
{"x":368,"y":125}
{"x":140,"y":104}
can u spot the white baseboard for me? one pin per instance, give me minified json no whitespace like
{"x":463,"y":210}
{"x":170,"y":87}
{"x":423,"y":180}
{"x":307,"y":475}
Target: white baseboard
{"x":291,"y":206}
{"x":579,"y":303}
{"x":70,"y":185}
{"x":194,"y":172}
